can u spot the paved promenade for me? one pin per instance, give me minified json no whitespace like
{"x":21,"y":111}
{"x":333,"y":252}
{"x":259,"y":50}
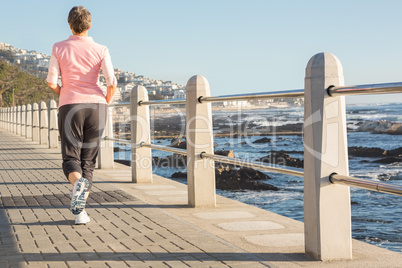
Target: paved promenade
{"x":133,"y":225}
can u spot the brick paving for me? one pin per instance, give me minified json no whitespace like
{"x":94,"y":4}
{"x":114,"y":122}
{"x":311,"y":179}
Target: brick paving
{"x":37,"y":229}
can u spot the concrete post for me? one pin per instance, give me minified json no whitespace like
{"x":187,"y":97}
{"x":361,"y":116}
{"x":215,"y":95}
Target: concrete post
{"x":6,"y":118}
{"x":11,"y":125}
{"x":10,"y":119}
{"x":35,"y":122}
{"x":18,"y":120}
{"x":200,"y":172}
{"x":327,"y":216}
{"x":28,"y":120}
{"x":141,"y":157}
{"x":43,"y":124}
{"x":53,"y":131}
{"x":14,"y":109}
{"x":2,"y":119}
{"x":23,"y":120}
{"x":105,"y":157}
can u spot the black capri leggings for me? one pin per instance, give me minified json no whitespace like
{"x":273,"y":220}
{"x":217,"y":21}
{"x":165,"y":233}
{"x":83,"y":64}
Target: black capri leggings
{"x":81,"y":126}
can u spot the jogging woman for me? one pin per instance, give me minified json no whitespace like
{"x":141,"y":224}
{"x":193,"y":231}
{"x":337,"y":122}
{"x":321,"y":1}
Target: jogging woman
{"x":82,"y":104}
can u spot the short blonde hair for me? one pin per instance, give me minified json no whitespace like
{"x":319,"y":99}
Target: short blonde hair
{"x":79,"y":19}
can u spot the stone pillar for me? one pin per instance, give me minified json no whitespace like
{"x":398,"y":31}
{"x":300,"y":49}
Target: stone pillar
{"x":2,"y":119}
{"x":53,"y":130}
{"x":43,"y":124}
{"x":14,"y":109}
{"x":18,"y":120}
{"x":141,"y":157}
{"x":105,"y":157}
{"x":10,"y":119}
{"x":35,"y":122}
{"x":199,"y":138}
{"x":327,"y":216}
{"x":28,"y":120}
{"x":23,"y":120}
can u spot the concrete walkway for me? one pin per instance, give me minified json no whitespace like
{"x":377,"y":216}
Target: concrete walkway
{"x":146,"y":225}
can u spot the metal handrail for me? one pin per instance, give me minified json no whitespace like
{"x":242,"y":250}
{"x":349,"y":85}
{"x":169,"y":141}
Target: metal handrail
{"x":257,"y":165}
{"x":385,"y":88}
{"x":162,"y":102}
{"x":365,"y":184}
{"x":252,"y":96}
{"x":229,"y":160}
{"x":122,"y":104}
{"x":164,"y":148}
{"x":117,"y":140}
{"x":152,"y":146}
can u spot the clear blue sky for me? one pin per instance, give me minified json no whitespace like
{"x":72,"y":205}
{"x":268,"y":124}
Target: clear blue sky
{"x":239,"y":46}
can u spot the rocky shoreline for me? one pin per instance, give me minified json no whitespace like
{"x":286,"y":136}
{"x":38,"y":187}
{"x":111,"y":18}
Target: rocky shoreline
{"x":229,"y":177}
{"x":168,"y":126}
{"x":381,"y":127}
{"x":236,"y":178}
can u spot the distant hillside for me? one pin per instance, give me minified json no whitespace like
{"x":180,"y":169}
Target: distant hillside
{"x":27,"y":88}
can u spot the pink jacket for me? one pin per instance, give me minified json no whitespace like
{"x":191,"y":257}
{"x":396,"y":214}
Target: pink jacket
{"x":78,"y":60}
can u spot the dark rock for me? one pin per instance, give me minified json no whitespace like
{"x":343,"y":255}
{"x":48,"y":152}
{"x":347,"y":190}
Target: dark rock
{"x":283,"y":159}
{"x":252,"y":174}
{"x":382,"y":127}
{"x":175,"y":160}
{"x":297,"y":127}
{"x":242,"y":143}
{"x":169,"y":125}
{"x":228,"y":153}
{"x":241,"y":179}
{"x":366,"y":152}
{"x":179,"y":160}
{"x":237,"y":179}
{"x":178,"y":143}
{"x":263,"y":140}
{"x":124,"y":162}
{"x":283,"y":151}
{"x":388,"y":160}
{"x":354,"y":203}
{"x":179,"y":175}
{"x":238,"y":116}
{"x":395,"y":152}
{"x":384,"y":177}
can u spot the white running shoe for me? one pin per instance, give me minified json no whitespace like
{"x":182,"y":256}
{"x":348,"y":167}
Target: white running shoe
{"x":78,"y":198}
{"x":82,"y":218}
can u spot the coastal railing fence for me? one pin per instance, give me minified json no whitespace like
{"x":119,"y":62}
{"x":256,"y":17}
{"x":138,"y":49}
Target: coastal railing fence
{"x":37,"y":122}
{"x":327,"y":212}
{"x":327,"y":217}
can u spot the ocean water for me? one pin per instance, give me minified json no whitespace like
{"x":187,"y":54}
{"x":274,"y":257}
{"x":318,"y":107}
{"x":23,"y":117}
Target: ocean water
{"x":376,"y":217}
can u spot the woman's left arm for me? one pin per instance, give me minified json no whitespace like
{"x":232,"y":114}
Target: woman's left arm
{"x":53,"y":75}
{"x":54,"y":87}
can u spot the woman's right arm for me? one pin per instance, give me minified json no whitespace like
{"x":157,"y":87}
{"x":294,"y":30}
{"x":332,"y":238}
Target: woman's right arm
{"x":108,"y":73}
